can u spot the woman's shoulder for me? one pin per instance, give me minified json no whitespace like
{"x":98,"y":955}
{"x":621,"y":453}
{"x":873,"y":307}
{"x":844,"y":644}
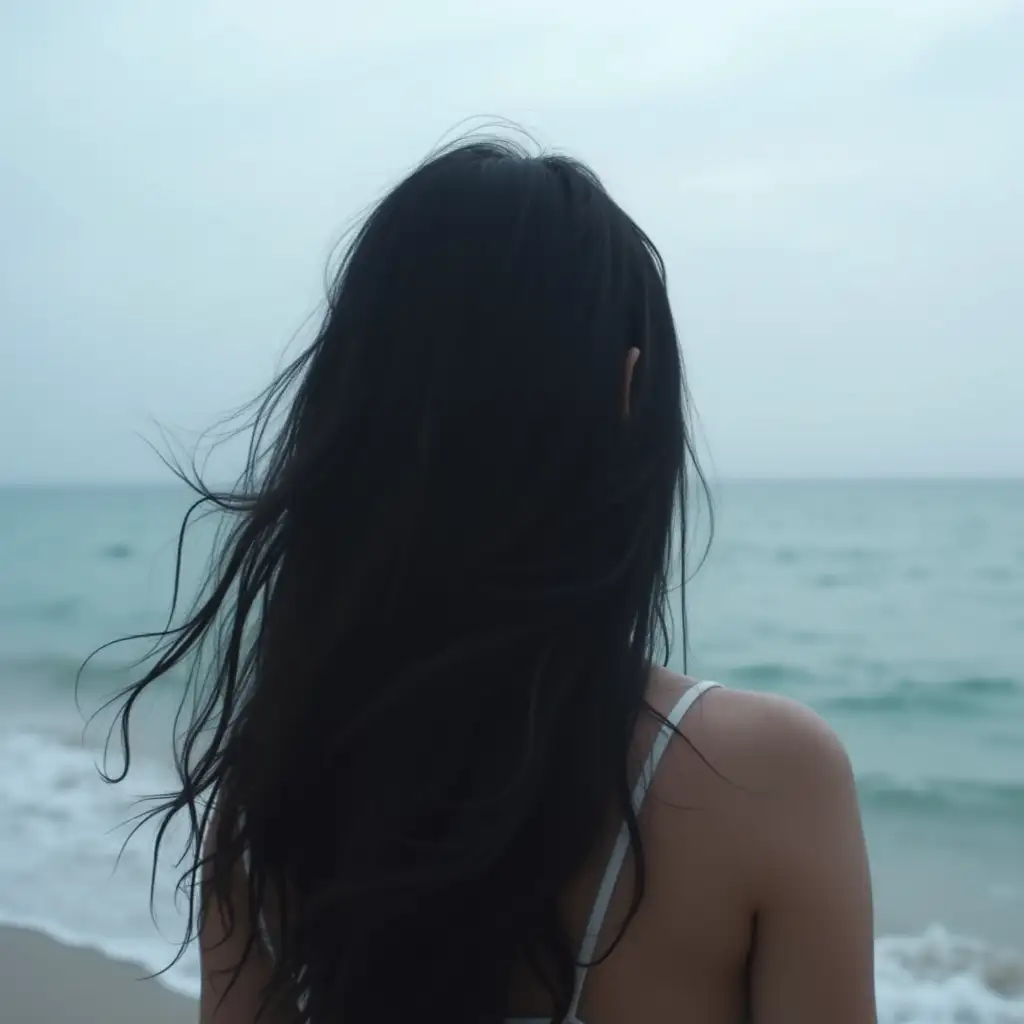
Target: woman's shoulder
{"x":759,"y":802}
{"x":770,"y":778}
{"x":761,"y":742}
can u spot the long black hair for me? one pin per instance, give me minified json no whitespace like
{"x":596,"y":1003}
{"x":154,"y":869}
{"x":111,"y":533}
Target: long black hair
{"x":446,"y":578}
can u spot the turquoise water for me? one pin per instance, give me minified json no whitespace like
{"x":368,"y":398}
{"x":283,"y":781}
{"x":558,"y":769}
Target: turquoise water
{"x":894,"y":609}
{"x":897,"y":611}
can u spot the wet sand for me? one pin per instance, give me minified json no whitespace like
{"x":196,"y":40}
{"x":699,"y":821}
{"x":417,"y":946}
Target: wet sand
{"x":43,"y":982}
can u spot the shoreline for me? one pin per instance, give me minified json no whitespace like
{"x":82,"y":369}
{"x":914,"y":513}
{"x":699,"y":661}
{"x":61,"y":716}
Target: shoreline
{"x":46,"y":982}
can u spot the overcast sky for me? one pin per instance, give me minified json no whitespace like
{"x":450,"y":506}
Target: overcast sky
{"x":837,"y":188}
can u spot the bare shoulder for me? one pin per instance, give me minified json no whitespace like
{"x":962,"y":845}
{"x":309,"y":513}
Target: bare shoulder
{"x":776,"y":742}
{"x":779,"y":838}
{"x":783,"y":827}
{"x":770,"y":776}
{"x":762,"y":743}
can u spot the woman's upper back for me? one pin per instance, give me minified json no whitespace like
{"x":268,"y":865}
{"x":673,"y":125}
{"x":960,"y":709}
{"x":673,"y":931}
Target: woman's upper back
{"x":757,"y":904}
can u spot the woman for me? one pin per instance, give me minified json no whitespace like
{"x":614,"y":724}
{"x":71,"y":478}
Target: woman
{"x":421,"y":779}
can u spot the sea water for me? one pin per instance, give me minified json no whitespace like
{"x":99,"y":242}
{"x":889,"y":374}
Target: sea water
{"x":895,"y":609}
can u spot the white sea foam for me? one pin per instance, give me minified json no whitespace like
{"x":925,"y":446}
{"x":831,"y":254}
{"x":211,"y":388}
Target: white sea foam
{"x":63,"y":827}
{"x":61,"y":831}
{"x":938,"y":978}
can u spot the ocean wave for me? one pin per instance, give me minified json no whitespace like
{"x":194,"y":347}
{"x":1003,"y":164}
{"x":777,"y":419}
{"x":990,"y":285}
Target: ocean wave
{"x":55,"y":669}
{"x":939,"y":978}
{"x":59,"y":610}
{"x":83,"y":884}
{"x":851,"y":556}
{"x":118,"y":551}
{"x":973,"y":695}
{"x":944,"y":796}
{"x":767,"y":674}
{"x":61,"y":670}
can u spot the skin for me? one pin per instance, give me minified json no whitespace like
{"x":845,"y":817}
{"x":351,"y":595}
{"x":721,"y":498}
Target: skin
{"x":758,"y":899}
{"x":632,"y":356}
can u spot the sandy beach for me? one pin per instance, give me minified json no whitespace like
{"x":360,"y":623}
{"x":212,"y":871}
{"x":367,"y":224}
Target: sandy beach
{"x":43,"y":982}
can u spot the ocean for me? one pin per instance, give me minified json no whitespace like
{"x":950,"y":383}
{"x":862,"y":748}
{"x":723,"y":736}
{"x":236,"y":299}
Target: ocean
{"x":896,"y":609}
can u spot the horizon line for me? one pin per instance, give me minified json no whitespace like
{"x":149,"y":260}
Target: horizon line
{"x":787,"y":478}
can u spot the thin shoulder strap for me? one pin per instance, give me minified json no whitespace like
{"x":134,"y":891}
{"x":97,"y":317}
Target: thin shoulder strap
{"x":264,"y":932}
{"x":618,"y":856}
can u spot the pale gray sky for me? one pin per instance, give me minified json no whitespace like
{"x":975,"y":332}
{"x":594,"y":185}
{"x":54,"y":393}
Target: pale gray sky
{"x":837,"y":188}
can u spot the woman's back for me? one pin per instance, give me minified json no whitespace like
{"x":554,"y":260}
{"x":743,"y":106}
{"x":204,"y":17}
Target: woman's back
{"x":757,"y":901}
{"x":421,"y":668}
{"x":757,"y":904}
{"x":758,"y":898}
